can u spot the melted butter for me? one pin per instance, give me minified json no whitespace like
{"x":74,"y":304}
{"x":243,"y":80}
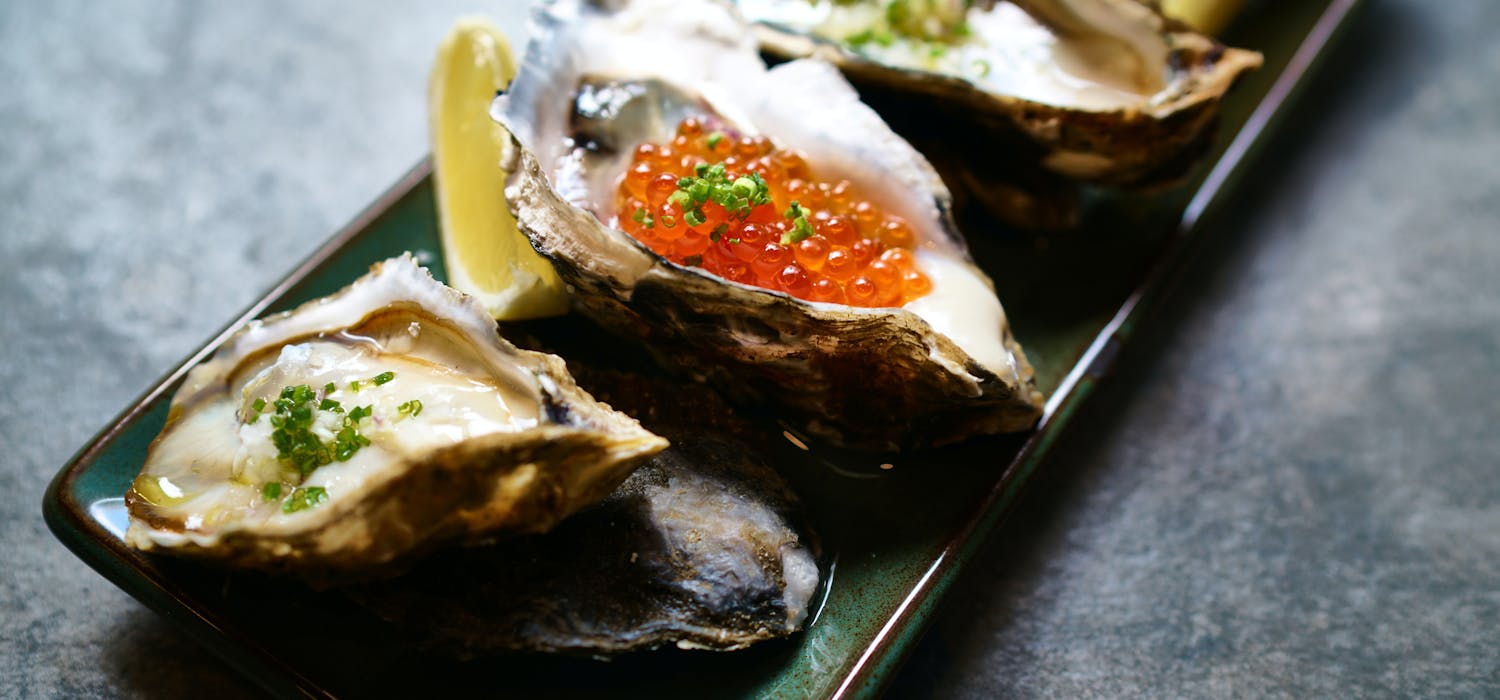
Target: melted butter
{"x":157,"y":490}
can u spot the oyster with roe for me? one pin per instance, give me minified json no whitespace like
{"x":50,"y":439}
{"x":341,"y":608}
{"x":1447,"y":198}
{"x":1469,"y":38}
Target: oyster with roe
{"x":345,"y":438}
{"x":759,"y":229}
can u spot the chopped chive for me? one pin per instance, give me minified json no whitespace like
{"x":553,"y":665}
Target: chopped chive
{"x":292,"y":429}
{"x":304,"y":498}
{"x":897,"y":12}
{"x":271,"y":491}
{"x":801,"y":227}
{"x":329,"y":388}
{"x":383,"y":377}
{"x":714,"y":139}
{"x":744,"y":187}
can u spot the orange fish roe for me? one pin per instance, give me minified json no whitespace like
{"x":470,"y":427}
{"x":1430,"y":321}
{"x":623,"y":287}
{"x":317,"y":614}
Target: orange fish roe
{"x":750,"y":212}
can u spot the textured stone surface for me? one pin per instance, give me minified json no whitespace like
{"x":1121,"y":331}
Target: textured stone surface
{"x":1289,"y":490}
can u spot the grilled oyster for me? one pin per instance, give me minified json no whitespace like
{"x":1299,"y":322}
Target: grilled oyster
{"x":1105,"y":91}
{"x":346,"y":437}
{"x":595,"y":83}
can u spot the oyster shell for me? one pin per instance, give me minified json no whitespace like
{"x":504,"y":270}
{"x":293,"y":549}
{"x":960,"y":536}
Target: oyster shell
{"x":1105,"y":91}
{"x":595,"y":82}
{"x":697,"y":549}
{"x":704,"y":546}
{"x":467,"y":437}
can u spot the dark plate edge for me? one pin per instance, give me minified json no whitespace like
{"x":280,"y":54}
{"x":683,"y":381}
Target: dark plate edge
{"x":886,"y":653}
{"x":71,"y":524}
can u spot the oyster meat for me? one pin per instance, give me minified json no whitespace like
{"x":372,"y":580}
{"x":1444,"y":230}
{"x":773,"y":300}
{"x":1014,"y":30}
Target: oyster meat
{"x":344,"y":438}
{"x":596,"y":82}
{"x":1105,"y":91}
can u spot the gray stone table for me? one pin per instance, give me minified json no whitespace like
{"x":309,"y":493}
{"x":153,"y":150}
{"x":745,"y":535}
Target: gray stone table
{"x":1289,"y":489}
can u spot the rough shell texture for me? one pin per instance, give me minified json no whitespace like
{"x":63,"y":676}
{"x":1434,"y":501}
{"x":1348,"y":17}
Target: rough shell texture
{"x":397,"y":500}
{"x":699,"y":548}
{"x":877,"y":378}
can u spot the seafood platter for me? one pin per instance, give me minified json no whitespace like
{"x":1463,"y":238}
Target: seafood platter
{"x":835,"y":273}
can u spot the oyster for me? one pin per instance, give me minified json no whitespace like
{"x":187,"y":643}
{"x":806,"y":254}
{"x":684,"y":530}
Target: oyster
{"x":1105,"y":91}
{"x":698,"y":548}
{"x":346,"y":437}
{"x":704,"y":546}
{"x":597,"y":82}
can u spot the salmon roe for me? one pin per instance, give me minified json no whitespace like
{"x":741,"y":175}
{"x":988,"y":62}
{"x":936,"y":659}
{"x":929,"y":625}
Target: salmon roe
{"x":747,"y":211}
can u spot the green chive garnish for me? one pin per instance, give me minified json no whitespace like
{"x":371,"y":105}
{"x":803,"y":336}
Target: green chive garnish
{"x":304,"y":498}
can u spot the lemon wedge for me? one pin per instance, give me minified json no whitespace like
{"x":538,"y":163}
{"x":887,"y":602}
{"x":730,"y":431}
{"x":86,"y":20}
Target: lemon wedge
{"x":1207,"y":16}
{"x":487,"y":256}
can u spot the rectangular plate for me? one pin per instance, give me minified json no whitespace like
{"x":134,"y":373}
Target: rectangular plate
{"x":894,"y":538}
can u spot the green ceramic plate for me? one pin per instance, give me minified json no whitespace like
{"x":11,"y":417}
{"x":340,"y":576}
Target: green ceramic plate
{"x":895,"y":537}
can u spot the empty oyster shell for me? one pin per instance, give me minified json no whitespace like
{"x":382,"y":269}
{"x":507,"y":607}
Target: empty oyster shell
{"x":456,"y":436}
{"x":1106,"y":91}
{"x":595,"y":83}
